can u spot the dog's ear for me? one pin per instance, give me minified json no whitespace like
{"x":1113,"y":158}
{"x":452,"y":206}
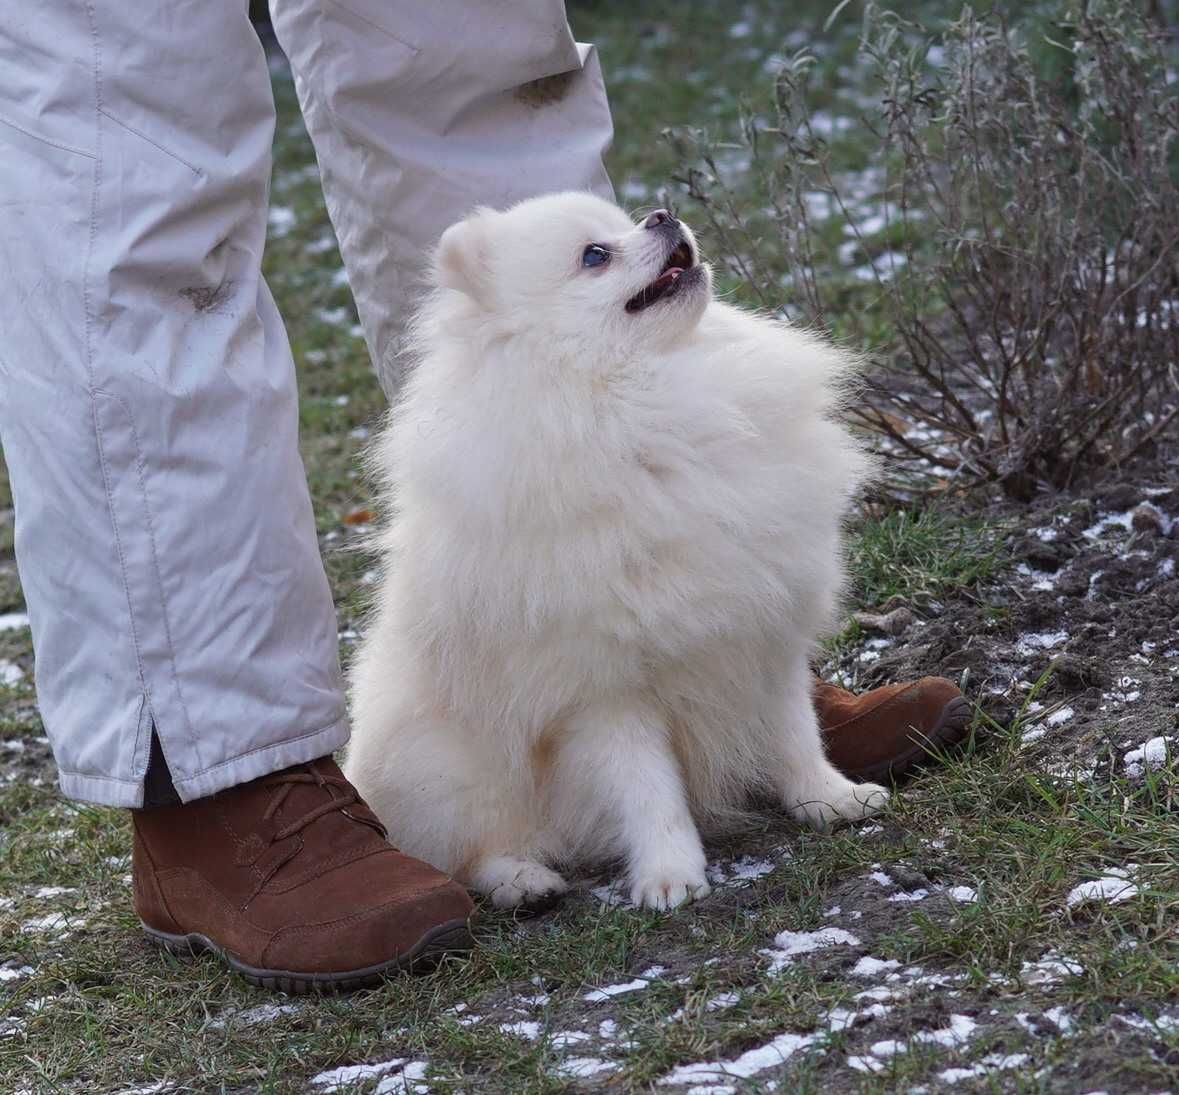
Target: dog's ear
{"x":461,"y":260}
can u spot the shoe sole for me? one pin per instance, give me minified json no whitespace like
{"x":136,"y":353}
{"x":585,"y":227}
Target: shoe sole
{"x":452,"y":937}
{"x":951,"y":727}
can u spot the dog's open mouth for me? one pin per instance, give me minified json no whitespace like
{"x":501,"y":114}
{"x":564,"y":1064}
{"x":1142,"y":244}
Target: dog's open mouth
{"x":677,"y":270}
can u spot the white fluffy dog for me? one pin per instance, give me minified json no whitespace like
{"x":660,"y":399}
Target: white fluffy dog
{"x":614,"y":539}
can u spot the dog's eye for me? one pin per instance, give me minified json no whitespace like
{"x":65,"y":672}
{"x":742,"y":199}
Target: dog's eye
{"x":595,"y":255}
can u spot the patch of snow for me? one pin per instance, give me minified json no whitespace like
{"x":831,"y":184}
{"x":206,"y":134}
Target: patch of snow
{"x":840,"y":1019}
{"x":345,"y":1076}
{"x":916,"y":895}
{"x":538,"y":1000}
{"x":959,"y":1032}
{"x":52,"y":891}
{"x":406,"y":1081}
{"x":53,"y":924}
{"x":882,"y":877}
{"x":963,"y":894}
{"x":13,"y":621}
{"x":874,"y":967}
{"x":1040,"y":579}
{"x":1106,"y":520}
{"x":790,"y":945}
{"x":263,"y":1013}
{"x":579,"y":1068}
{"x":751,"y":1062}
{"x":995,"y":1062}
{"x":566,"y":1038}
{"x":741,"y":872}
{"x":1061,"y":1018}
{"x":1049,"y":969}
{"x":598,"y":995}
{"x":1163,"y":1024}
{"x":1029,"y":737}
{"x":12,"y":973}
{"x":10,"y":673}
{"x":1059,"y":716}
{"x":865,"y":1064}
{"x":1150,"y":754}
{"x":1109,"y":889}
{"x":1047,"y":533}
{"x":526,"y":1030}
{"x":1039,"y":640}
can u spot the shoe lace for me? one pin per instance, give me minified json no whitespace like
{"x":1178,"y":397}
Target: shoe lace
{"x":285,"y":781}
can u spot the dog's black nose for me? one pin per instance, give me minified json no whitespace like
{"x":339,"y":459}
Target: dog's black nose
{"x":659,"y":217}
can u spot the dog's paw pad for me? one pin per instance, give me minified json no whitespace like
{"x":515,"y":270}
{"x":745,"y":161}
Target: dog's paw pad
{"x":511,"y":883}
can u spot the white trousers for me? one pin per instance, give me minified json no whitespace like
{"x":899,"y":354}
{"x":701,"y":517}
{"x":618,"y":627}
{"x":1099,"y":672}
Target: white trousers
{"x":164,"y":532}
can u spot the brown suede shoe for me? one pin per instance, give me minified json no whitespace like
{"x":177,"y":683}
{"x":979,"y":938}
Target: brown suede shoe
{"x":886,"y":733}
{"x":290,"y":880}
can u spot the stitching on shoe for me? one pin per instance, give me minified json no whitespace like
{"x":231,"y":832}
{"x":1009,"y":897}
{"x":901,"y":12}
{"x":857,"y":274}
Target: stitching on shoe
{"x":880,"y":708}
{"x":308,"y":929}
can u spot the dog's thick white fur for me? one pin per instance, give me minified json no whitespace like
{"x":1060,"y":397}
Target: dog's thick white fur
{"x":614,"y":540}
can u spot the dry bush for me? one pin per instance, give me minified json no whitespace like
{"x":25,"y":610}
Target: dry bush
{"x":1031,"y":286}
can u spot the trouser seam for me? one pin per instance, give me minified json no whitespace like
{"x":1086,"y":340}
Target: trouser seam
{"x":155,"y":559}
{"x":88,"y":329}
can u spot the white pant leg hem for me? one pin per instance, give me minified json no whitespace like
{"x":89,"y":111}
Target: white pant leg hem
{"x":101,"y":790}
{"x":263,"y":761}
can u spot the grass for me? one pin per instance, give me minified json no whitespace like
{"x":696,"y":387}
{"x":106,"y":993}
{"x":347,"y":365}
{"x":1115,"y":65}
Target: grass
{"x":1017,"y":836}
{"x":101,"y":1011}
{"x":921,"y":555}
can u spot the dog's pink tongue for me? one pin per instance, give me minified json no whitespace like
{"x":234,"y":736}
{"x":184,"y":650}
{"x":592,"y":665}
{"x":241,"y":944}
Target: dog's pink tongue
{"x":668,"y":275}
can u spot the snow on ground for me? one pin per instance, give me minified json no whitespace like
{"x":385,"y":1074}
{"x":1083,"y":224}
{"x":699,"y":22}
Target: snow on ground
{"x":1150,"y":754}
{"x":598,"y":995}
{"x":263,"y":1013}
{"x":13,"y":621}
{"x":748,"y":1064}
{"x":994,"y":1062}
{"x":1049,"y":969}
{"x":1033,"y":642}
{"x":789,"y":945}
{"x":346,"y":1076}
{"x":961,"y":1028}
{"x":874,"y":967}
{"x":580,"y":1068}
{"x":1110,"y":889}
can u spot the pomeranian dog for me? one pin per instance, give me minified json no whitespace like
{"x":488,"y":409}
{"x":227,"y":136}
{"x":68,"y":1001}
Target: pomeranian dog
{"x":615,"y":520}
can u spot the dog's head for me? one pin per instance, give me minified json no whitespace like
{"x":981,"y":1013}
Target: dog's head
{"x":572,"y":266}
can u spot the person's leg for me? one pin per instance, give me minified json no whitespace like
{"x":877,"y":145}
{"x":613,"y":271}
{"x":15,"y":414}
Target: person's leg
{"x":163,"y":524}
{"x":148,"y":406}
{"x":421,"y":111}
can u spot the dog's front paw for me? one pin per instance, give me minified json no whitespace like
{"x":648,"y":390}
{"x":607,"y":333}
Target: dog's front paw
{"x":512,"y":882}
{"x":849,"y":803}
{"x":668,"y":889}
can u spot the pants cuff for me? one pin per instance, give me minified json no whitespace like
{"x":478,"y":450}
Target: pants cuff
{"x":258,"y":762}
